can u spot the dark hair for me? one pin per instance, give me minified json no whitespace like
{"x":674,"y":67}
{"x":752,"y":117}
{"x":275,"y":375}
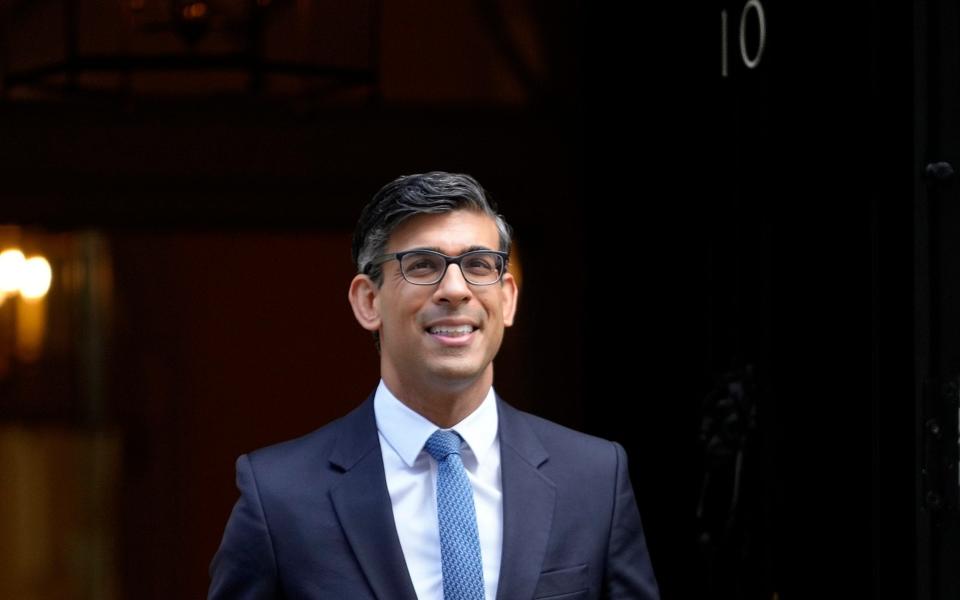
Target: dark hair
{"x":409,"y":195}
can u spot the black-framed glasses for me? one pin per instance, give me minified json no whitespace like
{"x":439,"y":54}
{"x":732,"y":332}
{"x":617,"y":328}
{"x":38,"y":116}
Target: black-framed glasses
{"x":426,"y":267}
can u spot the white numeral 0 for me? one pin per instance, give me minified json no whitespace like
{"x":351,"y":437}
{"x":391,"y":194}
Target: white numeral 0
{"x":751,"y":63}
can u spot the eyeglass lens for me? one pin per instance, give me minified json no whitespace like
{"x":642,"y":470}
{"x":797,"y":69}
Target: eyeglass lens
{"x":481,"y":268}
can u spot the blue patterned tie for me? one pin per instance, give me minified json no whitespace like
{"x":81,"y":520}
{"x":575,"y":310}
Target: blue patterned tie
{"x":459,"y":543}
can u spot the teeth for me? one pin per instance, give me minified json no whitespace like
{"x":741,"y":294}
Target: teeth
{"x":460,"y":329}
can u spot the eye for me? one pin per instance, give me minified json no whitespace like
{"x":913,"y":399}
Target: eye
{"x":420,"y":264}
{"x":480,"y":264}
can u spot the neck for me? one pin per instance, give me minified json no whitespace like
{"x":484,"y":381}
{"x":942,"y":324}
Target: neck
{"x":443,"y":405}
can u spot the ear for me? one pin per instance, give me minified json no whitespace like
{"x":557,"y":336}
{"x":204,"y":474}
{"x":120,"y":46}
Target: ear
{"x":510,"y":290}
{"x":364,"y":299}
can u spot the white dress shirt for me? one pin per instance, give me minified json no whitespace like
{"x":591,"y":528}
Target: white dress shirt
{"x":412,"y":481}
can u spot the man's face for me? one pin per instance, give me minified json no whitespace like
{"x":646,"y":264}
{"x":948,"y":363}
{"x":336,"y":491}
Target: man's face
{"x":411,"y":348}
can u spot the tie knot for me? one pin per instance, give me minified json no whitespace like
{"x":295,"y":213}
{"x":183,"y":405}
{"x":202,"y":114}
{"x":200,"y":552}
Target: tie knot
{"x":442,"y":444}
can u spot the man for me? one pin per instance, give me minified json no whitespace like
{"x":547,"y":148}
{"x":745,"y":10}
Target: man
{"x":434,"y":488}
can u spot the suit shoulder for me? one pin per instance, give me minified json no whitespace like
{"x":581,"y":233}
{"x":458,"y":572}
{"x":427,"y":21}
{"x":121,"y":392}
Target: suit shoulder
{"x":308,"y":447}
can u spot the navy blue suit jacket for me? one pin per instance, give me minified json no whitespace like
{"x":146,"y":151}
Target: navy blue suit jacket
{"x":314,"y":518}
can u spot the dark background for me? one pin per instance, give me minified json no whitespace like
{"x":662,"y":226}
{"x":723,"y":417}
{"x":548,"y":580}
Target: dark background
{"x":678,"y":231}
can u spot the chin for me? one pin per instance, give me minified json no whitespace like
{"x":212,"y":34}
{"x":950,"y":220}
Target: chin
{"x":457,"y":373}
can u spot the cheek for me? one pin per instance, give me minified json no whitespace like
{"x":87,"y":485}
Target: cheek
{"x":496,"y":311}
{"x":400,"y":318}
{"x":495,"y":319}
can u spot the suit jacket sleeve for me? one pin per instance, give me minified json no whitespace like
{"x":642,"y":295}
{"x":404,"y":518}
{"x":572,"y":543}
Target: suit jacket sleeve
{"x":244,"y":567}
{"x":629,"y":573}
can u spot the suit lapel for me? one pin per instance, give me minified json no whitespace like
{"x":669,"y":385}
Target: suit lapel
{"x":363,"y":506}
{"x":528,"y":505}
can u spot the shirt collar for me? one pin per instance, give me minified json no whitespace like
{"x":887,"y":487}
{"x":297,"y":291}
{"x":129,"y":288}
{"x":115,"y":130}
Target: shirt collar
{"x":407,"y":430}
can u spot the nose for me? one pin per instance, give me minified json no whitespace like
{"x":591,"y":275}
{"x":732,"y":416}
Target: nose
{"x":453,"y":288}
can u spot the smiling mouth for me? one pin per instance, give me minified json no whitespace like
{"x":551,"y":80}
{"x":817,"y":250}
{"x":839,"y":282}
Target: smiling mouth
{"x":452,"y":332}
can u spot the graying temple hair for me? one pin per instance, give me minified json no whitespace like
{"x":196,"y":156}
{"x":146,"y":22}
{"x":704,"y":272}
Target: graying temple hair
{"x":428,"y":193}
